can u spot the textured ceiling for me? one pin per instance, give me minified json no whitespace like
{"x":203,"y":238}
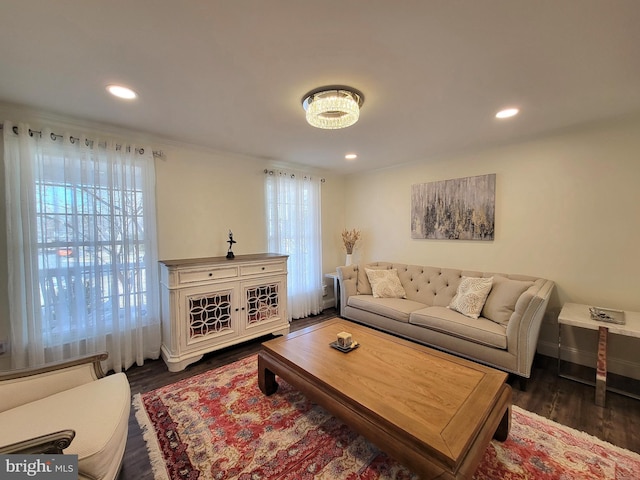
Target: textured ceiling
{"x":230,"y":75}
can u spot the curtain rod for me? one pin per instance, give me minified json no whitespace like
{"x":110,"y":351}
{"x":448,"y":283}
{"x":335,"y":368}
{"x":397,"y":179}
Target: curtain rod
{"x":293,"y":175}
{"x":55,"y":136}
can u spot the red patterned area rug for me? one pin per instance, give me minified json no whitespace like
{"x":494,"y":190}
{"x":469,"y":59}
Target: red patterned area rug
{"x":218,"y":425}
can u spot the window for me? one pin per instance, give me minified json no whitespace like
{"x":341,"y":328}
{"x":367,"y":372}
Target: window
{"x":81,"y":222}
{"x":293,"y":228}
{"x":88,"y":260}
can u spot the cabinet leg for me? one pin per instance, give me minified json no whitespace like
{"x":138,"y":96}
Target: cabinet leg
{"x":266,"y":378}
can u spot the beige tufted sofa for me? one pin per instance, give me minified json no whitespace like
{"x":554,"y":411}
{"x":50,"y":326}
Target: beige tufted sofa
{"x":507,"y":340}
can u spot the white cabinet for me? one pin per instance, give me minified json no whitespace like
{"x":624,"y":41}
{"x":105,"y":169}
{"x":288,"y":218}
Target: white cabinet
{"x":212,"y":303}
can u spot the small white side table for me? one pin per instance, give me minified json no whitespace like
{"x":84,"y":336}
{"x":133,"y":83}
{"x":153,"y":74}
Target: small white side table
{"x":577,"y":315}
{"x":336,"y":290}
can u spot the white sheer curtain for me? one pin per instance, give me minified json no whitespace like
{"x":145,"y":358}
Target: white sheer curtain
{"x":293,"y":228}
{"x":82,"y":253}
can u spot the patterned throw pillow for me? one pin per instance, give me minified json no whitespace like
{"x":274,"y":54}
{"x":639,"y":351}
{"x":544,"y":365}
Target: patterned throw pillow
{"x":385,"y":283}
{"x":471,"y":295}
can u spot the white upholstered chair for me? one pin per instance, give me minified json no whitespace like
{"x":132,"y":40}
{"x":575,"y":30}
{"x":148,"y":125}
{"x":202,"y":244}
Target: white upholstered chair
{"x":68,"y":407}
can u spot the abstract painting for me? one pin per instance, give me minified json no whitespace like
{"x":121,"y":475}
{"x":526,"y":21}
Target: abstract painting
{"x":457,"y":209}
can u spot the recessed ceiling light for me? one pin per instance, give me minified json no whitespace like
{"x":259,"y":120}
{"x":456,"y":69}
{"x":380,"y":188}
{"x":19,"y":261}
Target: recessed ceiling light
{"x":507,"y":112}
{"x":121,"y":92}
{"x":351,"y":156}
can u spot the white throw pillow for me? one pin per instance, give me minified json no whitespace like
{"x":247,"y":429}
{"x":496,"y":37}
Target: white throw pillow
{"x":471,"y":295}
{"x":385,"y":283}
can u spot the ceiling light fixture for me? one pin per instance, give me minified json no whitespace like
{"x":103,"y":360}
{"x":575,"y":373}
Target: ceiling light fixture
{"x":121,"y":92}
{"x":507,"y":113}
{"x":333,"y":107}
{"x":351,"y":156}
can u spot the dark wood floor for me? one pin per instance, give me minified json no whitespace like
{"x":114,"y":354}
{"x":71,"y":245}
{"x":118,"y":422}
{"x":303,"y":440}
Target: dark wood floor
{"x":564,"y":401}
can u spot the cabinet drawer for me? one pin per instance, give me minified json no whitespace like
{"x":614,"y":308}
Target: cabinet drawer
{"x":265,"y":268}
{"x":207,"y":274}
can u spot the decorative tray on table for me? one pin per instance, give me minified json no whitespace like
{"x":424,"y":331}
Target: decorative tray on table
{"x":607,"y":315}
{"x":353,"y":346}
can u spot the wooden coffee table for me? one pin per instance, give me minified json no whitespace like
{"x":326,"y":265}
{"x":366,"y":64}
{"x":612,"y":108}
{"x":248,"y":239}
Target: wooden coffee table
{"x":433,"y":412}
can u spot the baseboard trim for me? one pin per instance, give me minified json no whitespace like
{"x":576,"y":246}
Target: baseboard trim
{"x":328,"y":303}
{"x":583,"y":357}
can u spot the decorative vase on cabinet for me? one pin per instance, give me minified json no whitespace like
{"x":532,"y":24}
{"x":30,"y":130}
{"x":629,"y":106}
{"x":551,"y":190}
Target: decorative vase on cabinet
{"x":212,"y":303}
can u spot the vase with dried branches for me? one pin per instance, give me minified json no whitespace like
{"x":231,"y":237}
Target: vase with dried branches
{"x":349,"y":239}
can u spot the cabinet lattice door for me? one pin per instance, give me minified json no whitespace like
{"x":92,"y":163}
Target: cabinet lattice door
{"x":262,"y":303}
{"x":209,"y":314}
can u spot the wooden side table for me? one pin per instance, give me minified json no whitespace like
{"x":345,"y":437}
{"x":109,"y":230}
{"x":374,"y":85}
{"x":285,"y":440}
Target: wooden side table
{"x":577,"y":315}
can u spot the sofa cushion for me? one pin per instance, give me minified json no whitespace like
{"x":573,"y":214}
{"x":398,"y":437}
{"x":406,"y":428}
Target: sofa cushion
{"x":502,"y":299}
{"x":445,"y":320}
{"x":471,"y":295}
{"x":395,"y":308}
{"x":98,"y":412}
{"x":385,"y":283}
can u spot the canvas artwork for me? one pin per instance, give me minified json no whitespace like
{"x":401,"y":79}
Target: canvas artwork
{"x":457,"y":209}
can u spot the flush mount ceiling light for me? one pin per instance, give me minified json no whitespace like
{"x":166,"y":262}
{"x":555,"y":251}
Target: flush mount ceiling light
{"x":333,"y":107}
{"x":121,"y":92}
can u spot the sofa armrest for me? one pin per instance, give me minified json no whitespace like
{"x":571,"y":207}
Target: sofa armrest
{"x":93,"y":360}
{"x":51,"y":444}
{"x":523,"y":333}
{"x":348,"y":280}
{"x":18,"y":387}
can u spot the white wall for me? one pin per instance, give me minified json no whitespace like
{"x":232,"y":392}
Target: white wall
{"x":200,"y":196}
{"x":567,"y":209}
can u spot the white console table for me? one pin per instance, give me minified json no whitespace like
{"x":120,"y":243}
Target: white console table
{"x":212,"y":303}
{"x":577,"y":315}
